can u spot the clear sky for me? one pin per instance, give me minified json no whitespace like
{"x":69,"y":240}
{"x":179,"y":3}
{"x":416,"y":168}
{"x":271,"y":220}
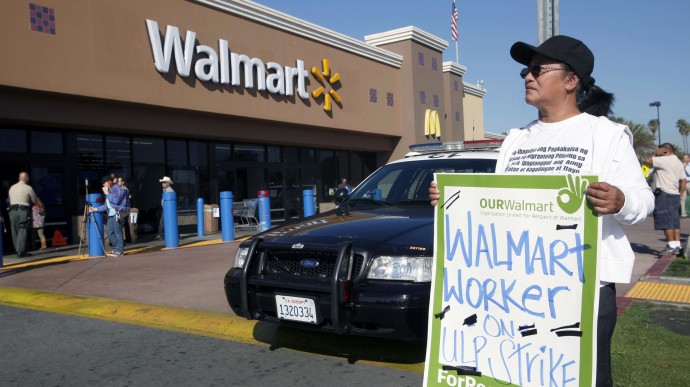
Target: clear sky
{"x":641,"y":48}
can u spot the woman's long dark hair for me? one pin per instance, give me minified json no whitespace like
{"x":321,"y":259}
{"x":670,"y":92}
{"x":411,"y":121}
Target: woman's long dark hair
{"x":595,"y":101}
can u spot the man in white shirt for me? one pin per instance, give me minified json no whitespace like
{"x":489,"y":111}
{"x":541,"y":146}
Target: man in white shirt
{"x":669,"y":184}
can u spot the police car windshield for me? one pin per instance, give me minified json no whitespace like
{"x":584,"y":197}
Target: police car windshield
{"x":407,"y":183}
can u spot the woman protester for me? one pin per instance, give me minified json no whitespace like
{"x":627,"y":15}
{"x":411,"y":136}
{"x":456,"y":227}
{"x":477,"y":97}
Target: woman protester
{"x":572,"y":116}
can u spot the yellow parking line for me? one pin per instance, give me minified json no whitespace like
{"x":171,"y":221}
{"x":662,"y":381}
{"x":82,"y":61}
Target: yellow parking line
{"x":225,"y":326}
{"x":212,"y":324}
{"x":660,"y":291}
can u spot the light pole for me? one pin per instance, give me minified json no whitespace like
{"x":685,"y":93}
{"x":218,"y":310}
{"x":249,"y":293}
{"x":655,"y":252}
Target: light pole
{"x":658,"y":123}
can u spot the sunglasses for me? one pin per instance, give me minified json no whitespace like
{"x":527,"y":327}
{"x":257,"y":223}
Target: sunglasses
{"x":537,"y":70}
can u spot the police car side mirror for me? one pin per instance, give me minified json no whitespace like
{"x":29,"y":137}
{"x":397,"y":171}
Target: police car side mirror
{"x":340,"y":195}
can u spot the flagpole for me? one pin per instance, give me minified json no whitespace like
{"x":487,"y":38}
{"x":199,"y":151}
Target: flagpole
{"x":454,"y":29}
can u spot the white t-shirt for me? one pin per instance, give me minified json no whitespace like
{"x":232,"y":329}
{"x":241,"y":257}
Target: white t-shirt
{"x":668,"y":172}
{"x":551,"y":148}
{"x":589,"y":145}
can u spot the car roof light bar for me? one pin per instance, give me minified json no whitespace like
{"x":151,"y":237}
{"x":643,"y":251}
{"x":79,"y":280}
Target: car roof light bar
{"x":456,"y":146}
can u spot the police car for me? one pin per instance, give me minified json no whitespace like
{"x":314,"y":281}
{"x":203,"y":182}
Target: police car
{"x":363,"y":268}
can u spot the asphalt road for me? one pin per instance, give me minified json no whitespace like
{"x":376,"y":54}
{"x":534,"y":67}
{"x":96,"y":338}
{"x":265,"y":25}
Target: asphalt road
{"x":48,"y":349}
{"x":197,"y":340}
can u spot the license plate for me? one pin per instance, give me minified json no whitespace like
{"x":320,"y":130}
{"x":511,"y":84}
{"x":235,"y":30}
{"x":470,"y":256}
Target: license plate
{"x":296,"y":309}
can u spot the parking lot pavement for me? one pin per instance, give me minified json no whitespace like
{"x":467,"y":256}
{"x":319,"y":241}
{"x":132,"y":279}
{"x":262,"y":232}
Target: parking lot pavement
{"x":191,"y":276}
{"x":145,"y":243}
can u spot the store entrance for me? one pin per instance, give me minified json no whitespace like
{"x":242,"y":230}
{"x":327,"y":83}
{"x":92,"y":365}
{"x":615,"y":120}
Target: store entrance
{"x":48,"y":183}
{"x":47,"y":180}
{"x":284,"y":189}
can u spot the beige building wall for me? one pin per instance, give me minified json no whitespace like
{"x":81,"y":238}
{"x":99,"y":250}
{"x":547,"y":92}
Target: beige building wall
{"x":97,"y":72}
{"x":474,"y":112}
{"x":453,"y":86}
{"x":111,"y":58}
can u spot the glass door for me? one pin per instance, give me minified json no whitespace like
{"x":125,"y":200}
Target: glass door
{"x":276,"y":193}
{"x":293,"y":194}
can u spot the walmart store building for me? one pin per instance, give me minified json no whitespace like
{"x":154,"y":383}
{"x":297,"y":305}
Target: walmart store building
{"x":221,"y":95}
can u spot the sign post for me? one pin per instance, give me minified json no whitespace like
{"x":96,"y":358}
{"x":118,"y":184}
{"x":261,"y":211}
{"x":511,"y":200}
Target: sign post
{"x":515,"y":285}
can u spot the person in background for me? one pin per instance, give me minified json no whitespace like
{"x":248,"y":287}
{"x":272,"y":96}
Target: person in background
{"x":166,"y":182}
{"x":128,"y":204}
{"x":669,"y":184}
{"x":113,"y":199}
{"x":344,"y":184}
{"x":572,"y":113}
{"x":38,"y":222}
{"x":21,"y":197}
{"x":684,"y":196}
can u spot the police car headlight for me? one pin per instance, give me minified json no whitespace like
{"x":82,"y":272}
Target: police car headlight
{"x":417,"y":269}
{"x":241,"y":257}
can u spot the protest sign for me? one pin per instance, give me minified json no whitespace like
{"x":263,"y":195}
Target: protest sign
{"x":515,"y":285}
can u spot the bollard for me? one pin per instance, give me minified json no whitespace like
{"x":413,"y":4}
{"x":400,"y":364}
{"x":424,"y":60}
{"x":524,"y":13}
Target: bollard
{"x":172,"y":237}
{"x":264,"y":210}
{"x":95,"y":237}
{"x":200,"y":217}
{"x":227,"y":223}
{"x":308,"y":199}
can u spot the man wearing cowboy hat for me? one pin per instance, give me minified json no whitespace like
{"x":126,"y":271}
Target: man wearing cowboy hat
{"x":166,"y":182}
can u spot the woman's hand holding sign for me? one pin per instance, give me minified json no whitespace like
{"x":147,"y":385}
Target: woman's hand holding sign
{"x":605,"y":198}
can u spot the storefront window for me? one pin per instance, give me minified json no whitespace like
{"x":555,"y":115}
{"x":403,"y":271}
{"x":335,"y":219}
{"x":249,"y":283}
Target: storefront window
{"x":248,"y":152}
{"x":46,"y":142}
{"x":329,"y":175}
{"x":223,"y":152}
{"x":185,"y":187}
{"x":308,"y":155}
{"x":198,"y":153}
{"x":274,"y":154}
{"x":343,"y":167}
{"x":118,"y":155}
{"x":368,"y":163}
{"x":90,"y":152}
{"x":198,"y":157}
{"x":177,"y":152}
{"x":355,"y":169}
{"x":291,"y":154}
{"x":13,"y":140}
{"x":148,"y":150}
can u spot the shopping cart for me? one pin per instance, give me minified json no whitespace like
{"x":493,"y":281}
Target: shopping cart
{"x":244,"y":214}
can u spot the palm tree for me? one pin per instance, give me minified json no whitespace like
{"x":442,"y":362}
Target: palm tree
{"x":643,"y":139}
{"x":684,"y":129}
{"x":654,"y":126}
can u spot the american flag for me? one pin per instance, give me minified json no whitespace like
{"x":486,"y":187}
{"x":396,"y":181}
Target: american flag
{"x":454,"y":22}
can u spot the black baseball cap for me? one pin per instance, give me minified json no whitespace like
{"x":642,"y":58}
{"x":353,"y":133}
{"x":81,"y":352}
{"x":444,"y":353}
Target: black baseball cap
{"x":562,"y":48}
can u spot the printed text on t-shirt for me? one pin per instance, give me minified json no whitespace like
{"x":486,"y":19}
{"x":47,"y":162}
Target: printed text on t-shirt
{"x":565,"y":159}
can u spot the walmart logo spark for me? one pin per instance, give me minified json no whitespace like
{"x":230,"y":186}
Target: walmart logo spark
{"x":326,"y":79}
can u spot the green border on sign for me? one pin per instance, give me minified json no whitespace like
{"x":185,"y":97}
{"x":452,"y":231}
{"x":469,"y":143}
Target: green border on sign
{"x":589,"y":289}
